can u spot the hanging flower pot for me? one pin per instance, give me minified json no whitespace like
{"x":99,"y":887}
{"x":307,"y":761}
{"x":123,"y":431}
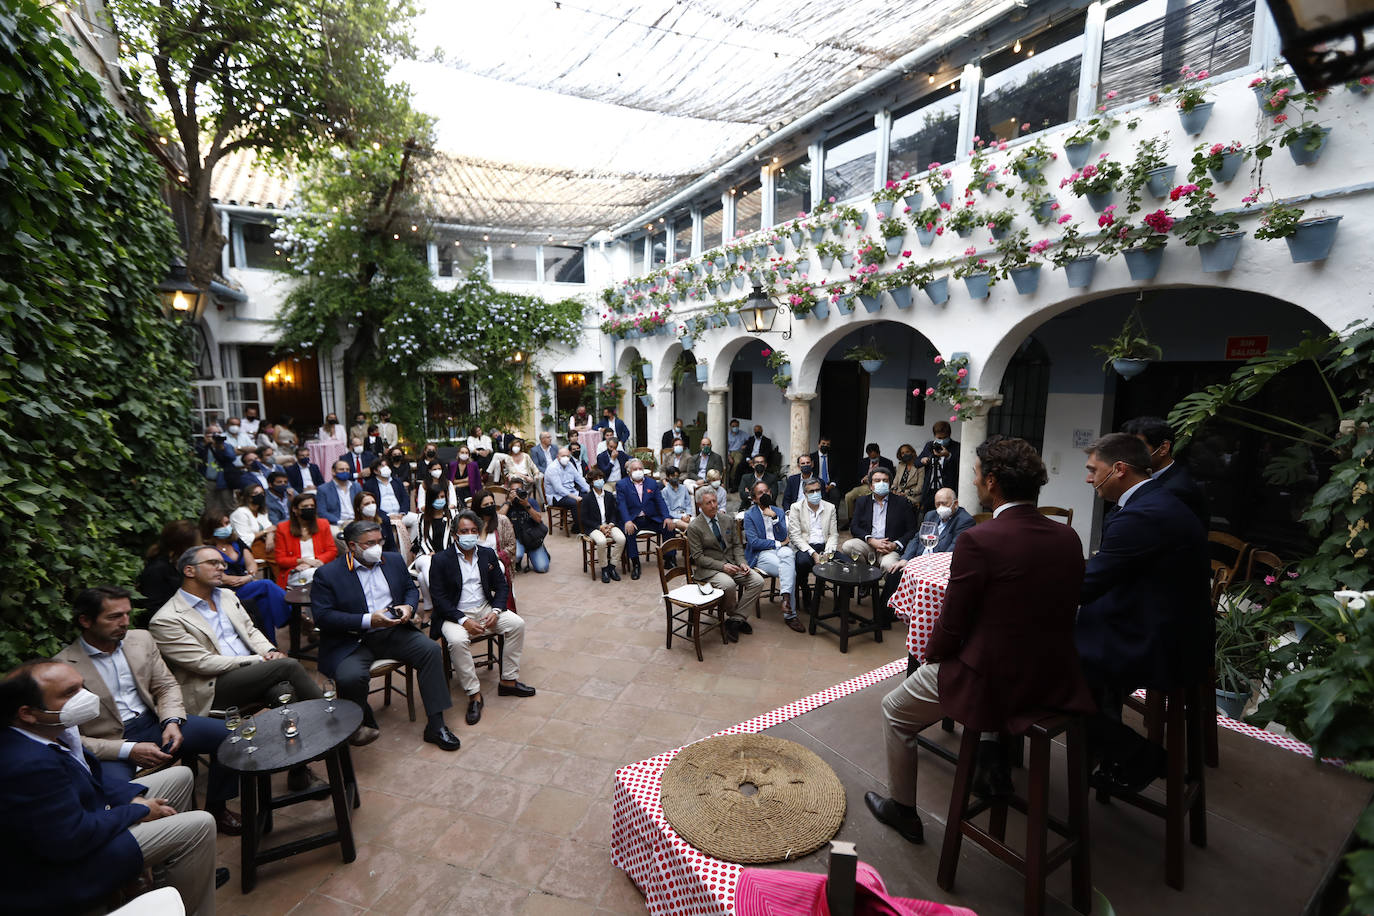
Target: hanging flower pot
{"x":978,"y":285}
{"x":925,"y":236}
{"x":778,"y":245}
{"x":1078,"y":153}
{"x":1129,"y":368}
{"x":871,"y":365}
{"x":1143,"y":263}
{"x":894,"y":246}
{"x":964,"y":232}
{"x":672,"y":298}
{"x":1313,"y":239}
{"x":1079,"y":271}
{"x":1194,"y":121}
{"x":847,"y":260}
{"x":862,"y":221}
{"x":1026,"y":279}
{"x":1044,"y":210}
{"x":1160,"y":181}
{"x":797,"y":239}
{"x":822,"y":309}
{"x":914,"y":200}
{"x":944,"y":195}
{"x":710,"y":266}
{"x":1230,"y":165}
{"x":785,"y":370}
{"x":883,"y":207}
{"x":733,"y":318}
{"x":1304,"y":156}
{"x":901,"y":296}
{"x":647,"y":400}
{"x":872,"y":303}
{"x":1220,"y":256}
{"x":845,"y":305}
{"x":741,"y":281}
{"x":785,"y":271}
{"x":827,"y":261}
{"x":746,"y":254}
{"x":703,"y":373}
{"x":817,"y":234}
{"x":937,"y":290}
{"x":1030,"y":167}
{"x":716,"y":321}
{"x":732,"y":256}
{"x":688,"y":343}
{"x":760,"y":252}
{"x":1102,"y":201}
{"x":722,"y":262}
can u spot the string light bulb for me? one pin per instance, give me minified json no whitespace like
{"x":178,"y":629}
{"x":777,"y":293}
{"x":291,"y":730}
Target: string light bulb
{"x":1016,"y":48}
{"x":930,"y":78}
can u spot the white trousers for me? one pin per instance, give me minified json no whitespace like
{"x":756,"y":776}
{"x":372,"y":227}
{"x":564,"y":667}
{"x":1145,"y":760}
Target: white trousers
{"x":617,"y":542}
{"x":508,"y":623}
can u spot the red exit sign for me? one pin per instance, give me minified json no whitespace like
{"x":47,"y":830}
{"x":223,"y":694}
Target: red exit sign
{"x":1246,"y":347}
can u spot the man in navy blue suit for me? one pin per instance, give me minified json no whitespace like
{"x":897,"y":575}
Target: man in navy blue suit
{"x":950,"y":520}
{"x":610,"y":421}
{"x":640,"y":503}
{"x":1144,"y":619}
{"x":1158,"y":437}
{"x":70,"y":839}
{"x":364,"y":604}
{"x":392,"y":498}
{"x":303,"y":475}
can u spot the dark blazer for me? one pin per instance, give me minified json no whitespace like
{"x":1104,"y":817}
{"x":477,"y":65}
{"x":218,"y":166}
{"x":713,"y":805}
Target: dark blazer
{"x":66,"y":843}
{"x":446,"y":585}
{"x":374,"y":445}
{"x":958,"y":523}
{"x":357,"y":462}
{"x":610,"y":512}
{"x":373,"y":485}
{"x":603,"y":461}
{"x":629,"y":505}
{"x":713,"y":460}
{"x":1177,"y":479}
{"x":901,"y":519}
{"x":861,"y":467}
{"x":950,"y":471}
{"x":622,"y":432}
{"x":832,"y":471}
{"x":746,"y":486}
{"x":1005,"y":637}
{"x":300,"y":482}
{"x":338,"y":603}
{"x":1144,"y":620}
{"x":765,"y":448}
{"x":686,"y":438}
{"x":793,"y":490}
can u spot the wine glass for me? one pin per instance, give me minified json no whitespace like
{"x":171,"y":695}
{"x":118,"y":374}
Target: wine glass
{"x":250,"y":728}
{"x":284,"y":699}
{"x":232,"y":721}
{"x":330,"y":692}
{"x":927,"y":534}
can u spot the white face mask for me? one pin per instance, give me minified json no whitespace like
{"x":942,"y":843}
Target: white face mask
{"x":814,"y":498}
{"x":384,"y":472}
{"x":637,"y":475}
{"x":370,"y":510}
{"x":515,"y":449}
{"x":357,"y":449}
{"x":462,"y":456}
{"x":372,"y":555}
{"x":436,"y":473}
{"x":944,"y":511}
{"x":80,"y":709}
{"x":234,"y":430}
{"x":564,"y":460}
{"x":677,"y":450}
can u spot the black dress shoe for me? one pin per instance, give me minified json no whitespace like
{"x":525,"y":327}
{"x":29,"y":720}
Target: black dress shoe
{"x":731,"y":629}
{"x":221,"y":877}
{"x":441,"y":736}
{"x":474,"y":713}
{"x":991,"y":775}
{"x":298,"y":779}
{"x":634,"y":569}
{"x":605,"y":574}
{"x":1130,"y":777}
{"x":899,"y":817}
{"x":514,"y":690}
{"x":745,"y":626}
{"x":615,"y":573}
{"x":227,"y":823}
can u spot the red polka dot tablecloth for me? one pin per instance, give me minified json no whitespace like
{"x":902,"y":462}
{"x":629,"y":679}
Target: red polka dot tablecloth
{"x":919,"y":598}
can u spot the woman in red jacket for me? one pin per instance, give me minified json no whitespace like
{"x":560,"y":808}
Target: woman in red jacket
{"x":298,"y":556}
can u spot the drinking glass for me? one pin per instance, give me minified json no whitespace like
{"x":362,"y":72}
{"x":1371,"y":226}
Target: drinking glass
{"x":330,"y":692}
{"x":290,"y":725}
{"x":284,"y":699}
{"x":928,"y":536}
{"x":232,"y":721}
{"x":250,"y":728}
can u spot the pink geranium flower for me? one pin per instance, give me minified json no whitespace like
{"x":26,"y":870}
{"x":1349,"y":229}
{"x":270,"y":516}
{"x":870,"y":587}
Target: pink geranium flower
{"x":767,"y":352}
{"x":939,"y":359}
{"x":1065,"y":218}
{"x":929,"y":392}
{"x":962,"y":373}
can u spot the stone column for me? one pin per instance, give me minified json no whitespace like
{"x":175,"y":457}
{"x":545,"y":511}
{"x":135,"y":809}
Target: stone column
{"x":799,"y":440}
{"x":716,"y":420}
{"x":972,"y":432}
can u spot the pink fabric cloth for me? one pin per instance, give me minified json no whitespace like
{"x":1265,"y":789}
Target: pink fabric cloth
{"x":766,"y":892}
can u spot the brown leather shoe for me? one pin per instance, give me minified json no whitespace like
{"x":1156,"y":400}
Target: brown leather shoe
{"x":228,"y":823}
{"x":795,"y":623}
{"x":364,"y":735}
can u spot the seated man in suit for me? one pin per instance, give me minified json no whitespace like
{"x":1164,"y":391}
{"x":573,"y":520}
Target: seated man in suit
{"x":767,"y":548}
{"x":564,"y":483}
{"x":364,"y":604}
{"x":303,"y":475}
{"x":141,"y":709}
{"x":335,"y":498}
{"x":950,"y":520}
{"x":1145,"y":619}
{"x":757,"y":473}
{"x":612,"y":461}
{"x":677,"y":499}
{"x":872,"y":460}
{"x":1002,"y":651}
{"x":806,"y":470}
{"x":812,"y":529}
{"x":676,"y":456}
{"x":73,"y":837}
{"x":718,"y":559}
{"x":883,"y":524}
{"x":1158,"y":436}
{"x":601,"y":523}
{"x":705,"y":461}
{"x":279,"y":495}
{"x":677,"y":432}
{"x":544,"y":454}
{"x":357,"y":457}
{"x":470,"y":594}
{"x":393,"y":500}
{"x":639,"y":501}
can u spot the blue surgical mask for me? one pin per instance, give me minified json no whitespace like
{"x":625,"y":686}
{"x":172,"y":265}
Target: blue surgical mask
{"x":814,"y":498}
{"x":439,"y":503}
{"x":343,"y":475}
{"x":467,"y":541}
{"x":941,"y":442}
{"x":224,"y":532}
{"x":880,"y":488}
{"x":599,"y":484}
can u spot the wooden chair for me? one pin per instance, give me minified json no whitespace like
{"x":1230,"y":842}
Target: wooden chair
{"x":1269,"y":564}
{"x":1057,"y":512}
{"x":647,"y":456}
{"x":685,"y":603}
{"x":266,"y":562}
{"x":565,"y":517}
{"x":982,"y":517}
{"x":589,"y":558}
{"x":384,"y":668}
{"x":494,"y":655}
{"x":769,"y":580}
{"x":1219,"y":542}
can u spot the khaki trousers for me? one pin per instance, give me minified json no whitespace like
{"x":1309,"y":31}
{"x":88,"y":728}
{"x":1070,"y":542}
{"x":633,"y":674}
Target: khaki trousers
{"x":858,"y":548}
{"x":508,"y":623}
{"x":753,"y":588}
{"x":184,"y":843}
{"x":616,"y":540}
{"x":910,"y":708}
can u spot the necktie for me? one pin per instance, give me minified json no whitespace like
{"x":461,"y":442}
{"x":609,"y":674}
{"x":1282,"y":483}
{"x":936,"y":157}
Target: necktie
{"x":715,"y":528}
{"x":825,"y":471}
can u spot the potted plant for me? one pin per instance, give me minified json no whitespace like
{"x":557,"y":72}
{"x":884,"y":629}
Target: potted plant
{"x":841,"y":297}
{"x":1096,"y":181}
{"x":869,"y":252}
{"x":937,"y":177}
{"x":1308,"y":239}
{"x":1042,"y":206}
{"x":1216,"y":236}
{"x":1130,"y":351}
{"x":1304,"y":140}
{"x":1029,"y":162}
{"x":1191,"y":100}
{"x":1142,"y":244}
{"x":1076,"y":255}
{"x":867,"y":355}
{"x":952,"y":387}
{"x":1244,"y":631}
{"x":899,"y":283}
{"x":893,"y":231}
{"x":911,"y":191}
{"x":865,"y":284}
{"x":983,"y":174}
{"x":1079,"y":144}
{"x":1220,"y":160}
{"x":853,"y":216}
{"x":1149,"y":170}
{"x":1273,"y":92}
{"x":1020,"y":260}
{"x":999,"y":222}
{"x":802,"y":300}
{"x":963,"y":220}
{"x":885,"y":200}
{"x":782,"y":368}
{"x":927,"y":223}
{"x":937,"y":289}
{"x":976,"y":273}
{"x":828,"y":252}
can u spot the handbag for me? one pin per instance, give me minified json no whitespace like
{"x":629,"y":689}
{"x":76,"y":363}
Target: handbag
{"x":528,"y":532}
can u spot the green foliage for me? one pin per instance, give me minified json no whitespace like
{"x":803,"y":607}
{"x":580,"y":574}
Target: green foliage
{"x":1131,"y":342}
{"x":94,"y":382}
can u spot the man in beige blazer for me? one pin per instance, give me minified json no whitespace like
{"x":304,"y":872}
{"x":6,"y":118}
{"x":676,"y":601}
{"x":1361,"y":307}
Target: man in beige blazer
{"x":718,"y":558}
{"x":211,"y":645}
{"x":142,"y":721}
{"x":812,"y":530}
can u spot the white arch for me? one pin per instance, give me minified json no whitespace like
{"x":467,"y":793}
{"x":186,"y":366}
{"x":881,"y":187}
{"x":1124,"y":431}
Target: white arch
{"x":806,"y":372}
{"x":722,"y":359}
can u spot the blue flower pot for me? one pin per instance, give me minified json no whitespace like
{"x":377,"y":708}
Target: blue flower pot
{"x":925,"y":237}
{"x":798,"y":239}
{"x":845,"y":305}
{"x":746,"y":254}
{"x":862,"y":221}
{"x":716,"y":321}
{"x":733,"y":318}
{"x":647,"y":400}
{"x":1143,"y":264}
{"x":1220,"y":256}
{"x":722,"y":262}
{"x":785,"y":370}
{"x":978,"y":285}
{"x":822,"y":309}
{"x":914,"y":200}
{"x":945,"y":194}
{"x":964,"y":233}
{"x":1230,"y":165}
{"x":710,"y":267}
{"x":1232,"y":705}
{"x":1100,"y":202}
{"x":1078,"y":153}
{"x":785,"y":271}
{"x":1030,"y":167}
{"x":817,"y":235}
{"x":1313,"y":240}
{"x":1194,"y":121}
{"x":1160,"y":181}
{"x":894,"y":246}
{"x":937,"y":290}
{"x":1044,"y":211}
{"x":1303,"y":156}
{"x":688,"y":343}
{"x":1301,"y":628}
{"x":872,"y":303}
{"x":1079,"y":271}
{"x":847,"y":260}
{"x":883,"y":207}
{"x":760,"y":252}
{"x":740,"y":281}
{"x":901,"y":296}
{"x":732,"y":256}
{"x":871,"y":365}
{"x":703,"y":373}
{"x":999,"y":234}
{"x":827,"y":261}
{"x":1026,"y":279}
{"x":1130,"y":368}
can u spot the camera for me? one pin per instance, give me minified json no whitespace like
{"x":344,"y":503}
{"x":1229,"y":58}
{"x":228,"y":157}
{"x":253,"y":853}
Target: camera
{"x":520,"y":493}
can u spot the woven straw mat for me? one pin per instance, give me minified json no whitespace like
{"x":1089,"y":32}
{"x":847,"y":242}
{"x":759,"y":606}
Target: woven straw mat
{"x":798,"y":806}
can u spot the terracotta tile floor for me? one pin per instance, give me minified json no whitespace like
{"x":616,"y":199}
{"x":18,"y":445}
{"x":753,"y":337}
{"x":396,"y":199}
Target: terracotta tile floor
{"x":518,"y":820}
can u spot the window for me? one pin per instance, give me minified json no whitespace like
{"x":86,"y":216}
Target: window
{"x":712,"y":226}
{"x":660,"y":249}
{"x":456,"y":256}
{"x":1036,"y":86}
{"x":1144,"y":46}
{"x":448,"y":403}
{"x":564,"y":265}
{"x":637,"y":249}
{"x":849,"y":159}
{"x":915,"y":406}
{"x":682,"y":238}
{"x":792,"y":190}
{"x":924,"y":133}
{"x":514,"y":262}
{"x":742,"y":394}
{"x":243,"y":393}
{"x":1025,"y":394}
{"x":749,"y":208}
{"x":209,"y":407}
{"x":260,"y":250}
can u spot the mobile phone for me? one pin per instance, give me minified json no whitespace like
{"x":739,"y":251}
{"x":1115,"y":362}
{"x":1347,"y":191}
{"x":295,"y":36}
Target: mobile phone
{"x":394,"y":613}
{"x":167,"y":748}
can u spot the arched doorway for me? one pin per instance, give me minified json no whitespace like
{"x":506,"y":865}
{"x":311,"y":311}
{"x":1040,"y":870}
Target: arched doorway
{"x":1025,"y":395}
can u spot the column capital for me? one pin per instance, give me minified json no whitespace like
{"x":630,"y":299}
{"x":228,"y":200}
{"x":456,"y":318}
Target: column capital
{"x":802,"y":395}
{"x":982,"y":404}
{"x":723,"y":390}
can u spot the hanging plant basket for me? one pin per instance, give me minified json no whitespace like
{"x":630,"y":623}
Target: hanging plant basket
{"x":978,"y":285}
{"x":1160,"y":181}
{"x":1194,"y":121}
{"x":1304,"y":156}
{"x":740,"y":281}
{"x":732,"y":256}
{"x":847,"y":260}
{"x":1079,"y":271}
{"x":883,"y":207}
{"x":647,"y":400}
{"x":710,"y":267}
{"x":937,"y":290}
{"x":999,"y":234}
{"x":1102,"y":201}
{"x":798,"y":239}
{"x":871,"y":365}
{"x":817,"y":234}
{"x":688,"y":343}
{"x":1143,"y":263}
{"x":733,"y":318}
{"x":945,"y":195}
{"x":1026,"y":279}
{"x":845,"y":305}
{"x":1220,"y":256}
{"x":872,"y":303}
{"x":964,"y":232}
{"x":1130,"y":368}
{"x":778,"y":245}
{"x":722,"y":262}
{"x":703,"y":373}
{"x":1044,"y":210}
{"x":894,"y":246}
{"x":1078,"y":153}
{"x":827,"y":261}
{"x":901,"y":296}
{"x":760,"y":252}
{"x":821,"y":310}
{"x":914,"y":200}
{"x":1313,"y":239}
{"x":1230,"y":165}
{"x":925,"y":237}
{"x":716,"y":321}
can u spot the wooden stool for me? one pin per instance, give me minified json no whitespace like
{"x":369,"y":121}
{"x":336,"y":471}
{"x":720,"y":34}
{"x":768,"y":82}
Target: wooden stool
{"x":385,"y":668}
{"x":1039,"y":860}
{"x":1181,"y":712}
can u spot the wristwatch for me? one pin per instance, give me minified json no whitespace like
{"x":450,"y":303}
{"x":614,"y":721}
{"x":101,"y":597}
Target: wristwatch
{"x":174,"y":719}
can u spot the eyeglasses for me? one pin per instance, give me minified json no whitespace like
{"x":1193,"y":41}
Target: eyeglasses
{"x":217,"y":564}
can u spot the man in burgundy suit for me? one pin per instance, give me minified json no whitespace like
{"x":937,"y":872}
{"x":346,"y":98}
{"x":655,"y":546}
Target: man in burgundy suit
{"x":1003,"y":649}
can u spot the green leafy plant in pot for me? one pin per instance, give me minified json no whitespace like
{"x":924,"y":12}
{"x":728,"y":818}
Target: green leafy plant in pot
{"x":1245,"y":630}
{"x":1130,"y":350}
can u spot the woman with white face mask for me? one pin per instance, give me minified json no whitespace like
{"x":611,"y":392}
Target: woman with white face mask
{"x":432,"y":532}
{"x":515,"y":469}
{"x":465,"y":473}
{"x":432,"y":472}
{"x":365,"y":507}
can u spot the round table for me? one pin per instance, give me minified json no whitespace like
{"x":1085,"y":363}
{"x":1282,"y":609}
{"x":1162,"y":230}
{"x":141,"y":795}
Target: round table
{"x":846,"y":575}
{"x":323,"y":736}
{"x":590,"y":439}
{"x":919,"y":598}
{"x":324,"y":452}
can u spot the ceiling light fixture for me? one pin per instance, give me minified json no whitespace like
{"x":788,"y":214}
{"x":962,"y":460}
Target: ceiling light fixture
{"x":930,"y":78}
